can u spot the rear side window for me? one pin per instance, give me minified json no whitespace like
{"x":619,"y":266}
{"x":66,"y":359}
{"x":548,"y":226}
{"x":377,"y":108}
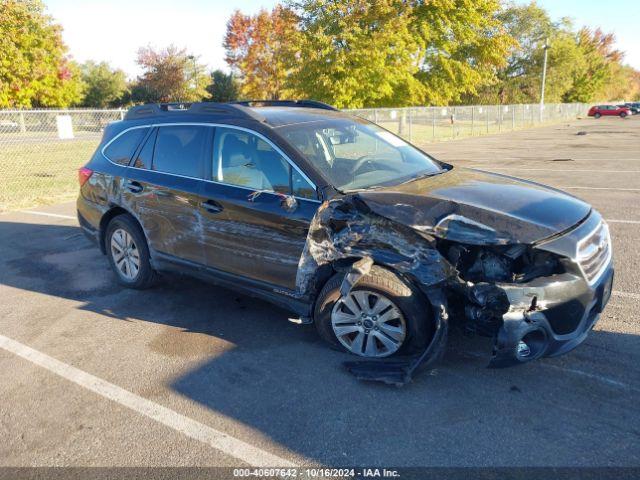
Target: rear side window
{"x":122,"y":148}
{"x":180,"y":150}
{"x":145,"y":155}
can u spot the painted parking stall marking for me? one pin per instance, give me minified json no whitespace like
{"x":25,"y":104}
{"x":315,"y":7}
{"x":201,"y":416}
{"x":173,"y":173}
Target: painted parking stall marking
{"x":191,"y":428}
{"x":634,"y":296}
{"x":46,"y":214}
{"x":552,"y":170}
{"x":600,"y":188}
{"x":632,"y":222}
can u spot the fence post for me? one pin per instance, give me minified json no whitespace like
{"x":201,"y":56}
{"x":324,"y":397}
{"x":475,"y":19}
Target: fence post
{"x":487,"y":118}
{"x":513,"y":117}
{"x":121,"y":114}
{"x":453,"y":123}
{"x":433,"y":123}
{"x":473,"y":115}
{"x":23,"y":126}
{"x":410,"y":125}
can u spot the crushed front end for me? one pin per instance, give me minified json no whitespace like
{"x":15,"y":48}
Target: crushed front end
{"x":554,"y":291}
{"x":534,"y":298}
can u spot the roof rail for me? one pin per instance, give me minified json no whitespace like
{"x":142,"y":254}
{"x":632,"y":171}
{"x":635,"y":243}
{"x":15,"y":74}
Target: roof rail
{"x":199,"y":108}
{"x":239,"y":109}
{"x":285,"y":103}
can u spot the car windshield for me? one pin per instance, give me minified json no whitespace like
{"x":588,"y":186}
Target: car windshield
{"x":355,"y":154}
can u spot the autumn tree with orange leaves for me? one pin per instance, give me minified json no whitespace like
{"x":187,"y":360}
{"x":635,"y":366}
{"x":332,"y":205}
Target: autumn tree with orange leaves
{"x":169,"y":75}
{"x":258,"y":50}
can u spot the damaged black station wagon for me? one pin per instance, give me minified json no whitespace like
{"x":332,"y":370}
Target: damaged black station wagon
{"x":349,"y":227}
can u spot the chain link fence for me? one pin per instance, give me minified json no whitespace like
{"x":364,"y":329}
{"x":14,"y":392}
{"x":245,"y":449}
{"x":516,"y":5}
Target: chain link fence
{"x":41,"y":150}
{"x":420,"y":125}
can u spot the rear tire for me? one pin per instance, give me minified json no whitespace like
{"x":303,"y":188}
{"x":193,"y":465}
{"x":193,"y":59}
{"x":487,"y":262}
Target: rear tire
{"x":405,"y":320}
{"x":128,"y":253}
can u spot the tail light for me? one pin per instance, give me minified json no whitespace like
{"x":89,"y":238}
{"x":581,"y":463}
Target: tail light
{"x":84,"y":174}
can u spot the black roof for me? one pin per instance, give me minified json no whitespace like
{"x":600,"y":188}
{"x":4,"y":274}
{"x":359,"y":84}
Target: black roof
{"x":275,"y":113}
{"x":282,"y":116}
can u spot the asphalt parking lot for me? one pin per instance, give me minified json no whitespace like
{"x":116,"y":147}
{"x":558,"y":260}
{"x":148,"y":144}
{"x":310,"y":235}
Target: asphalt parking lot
{"x":191,"y":374}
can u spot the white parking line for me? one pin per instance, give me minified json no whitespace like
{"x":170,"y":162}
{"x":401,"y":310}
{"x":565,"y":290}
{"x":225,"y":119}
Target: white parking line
{"x":46,"y":214}
{"x":618,"y":293}
{"x":215,"y":438}
{"x":635,"y":222}
{"x":601,"y":378}
{"x":601,"y":188}
{"x":593,"y":376}
{"x":599,"y":160}
{"x":551,"y":170}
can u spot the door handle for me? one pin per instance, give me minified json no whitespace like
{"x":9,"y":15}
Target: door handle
{"x":134,"y":186}
{"x":212,"y":206}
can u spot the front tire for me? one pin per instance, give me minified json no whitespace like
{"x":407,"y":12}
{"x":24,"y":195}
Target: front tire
{"x":382,"y":316}
{"x":128,"y":253}
{"x":597,"y":115}
{"x":623,"y":114}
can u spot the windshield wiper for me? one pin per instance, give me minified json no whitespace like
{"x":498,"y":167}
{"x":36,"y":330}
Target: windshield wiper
{"x":417,"y":177}
{"x":368,"y":187}
{"x":423,"y":175}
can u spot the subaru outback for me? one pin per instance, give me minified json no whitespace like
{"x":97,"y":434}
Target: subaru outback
{"x":348,"y":226}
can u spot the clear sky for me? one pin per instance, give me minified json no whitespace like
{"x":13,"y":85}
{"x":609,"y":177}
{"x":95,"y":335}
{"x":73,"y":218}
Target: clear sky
{"x":113,"y":30}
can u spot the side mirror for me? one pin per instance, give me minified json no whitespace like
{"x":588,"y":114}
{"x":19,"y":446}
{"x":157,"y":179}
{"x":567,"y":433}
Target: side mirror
{"x":289,"y":203}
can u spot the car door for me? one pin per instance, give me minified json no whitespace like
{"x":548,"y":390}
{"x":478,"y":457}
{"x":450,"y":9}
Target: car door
{"x":259,"y":209}
{"x":164,"y":187}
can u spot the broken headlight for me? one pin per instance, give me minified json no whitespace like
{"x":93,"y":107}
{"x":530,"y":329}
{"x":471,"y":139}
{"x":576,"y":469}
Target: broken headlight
{"x":507,"y":264}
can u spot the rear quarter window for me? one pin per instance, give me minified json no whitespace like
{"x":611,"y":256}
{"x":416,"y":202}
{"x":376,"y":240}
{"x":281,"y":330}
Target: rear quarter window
{"x":124,"y":146}
{"x":145,"y":155}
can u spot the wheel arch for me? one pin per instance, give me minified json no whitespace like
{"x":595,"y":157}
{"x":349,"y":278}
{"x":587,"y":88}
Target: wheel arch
{"x":327,"y":271}
{"x":110,"y":214}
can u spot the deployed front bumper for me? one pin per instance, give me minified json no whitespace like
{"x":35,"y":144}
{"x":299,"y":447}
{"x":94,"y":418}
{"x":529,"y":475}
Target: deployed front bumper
{"x":550,"y":316}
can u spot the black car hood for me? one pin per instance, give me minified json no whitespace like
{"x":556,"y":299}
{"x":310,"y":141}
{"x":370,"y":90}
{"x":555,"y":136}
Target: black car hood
{"x":476,"y":207}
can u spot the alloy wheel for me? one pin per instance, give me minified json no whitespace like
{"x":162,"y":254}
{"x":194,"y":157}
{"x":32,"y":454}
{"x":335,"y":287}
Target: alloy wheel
{"x":125,"y":254}
{"x":368,"y":324}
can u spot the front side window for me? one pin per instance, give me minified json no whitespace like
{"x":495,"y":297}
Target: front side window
{"x":180,"y":150}
{"x":355,"y":154}
{"x":246,"y":160}
{"x":300,"y":187}
{"x":123,"y":147}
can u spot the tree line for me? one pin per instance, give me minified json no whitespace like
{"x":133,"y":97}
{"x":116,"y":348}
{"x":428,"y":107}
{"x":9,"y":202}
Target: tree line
{"x":350,"y":53}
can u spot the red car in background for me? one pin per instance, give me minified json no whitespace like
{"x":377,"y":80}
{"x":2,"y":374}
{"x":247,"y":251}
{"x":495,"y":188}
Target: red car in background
{"x":615,"y":110}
